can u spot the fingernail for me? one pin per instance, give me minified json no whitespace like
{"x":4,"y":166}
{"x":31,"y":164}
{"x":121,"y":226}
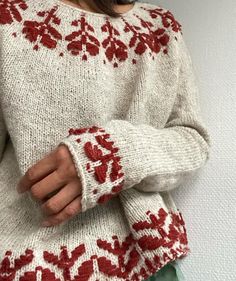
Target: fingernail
{"x":46,"y":223}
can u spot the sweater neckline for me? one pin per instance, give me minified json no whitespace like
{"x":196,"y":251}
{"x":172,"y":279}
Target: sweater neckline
{"x":90,"y":13}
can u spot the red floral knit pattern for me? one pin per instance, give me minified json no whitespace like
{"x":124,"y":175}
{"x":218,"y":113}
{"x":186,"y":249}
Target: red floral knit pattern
{"x":10,"y":11}
{"x":170,"y":236}
{"x":44,"y":32}
{"x":99,"y":161}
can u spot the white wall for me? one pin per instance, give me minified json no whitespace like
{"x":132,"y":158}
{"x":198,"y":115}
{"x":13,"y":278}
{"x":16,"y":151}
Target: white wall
{"x":208,"y":202}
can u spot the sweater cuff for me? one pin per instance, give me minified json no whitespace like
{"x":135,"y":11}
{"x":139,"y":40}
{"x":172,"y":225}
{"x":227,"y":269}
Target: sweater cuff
{"x":97,"y":163}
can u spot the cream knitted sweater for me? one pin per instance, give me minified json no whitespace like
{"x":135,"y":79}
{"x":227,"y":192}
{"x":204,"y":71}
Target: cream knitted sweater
{"x":121,"y":93}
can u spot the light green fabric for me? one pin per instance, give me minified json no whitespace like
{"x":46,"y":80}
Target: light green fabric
{"x":170,"y":272}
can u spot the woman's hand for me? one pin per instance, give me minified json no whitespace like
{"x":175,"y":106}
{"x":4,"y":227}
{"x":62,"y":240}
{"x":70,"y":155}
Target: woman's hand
{"x":54,"y":182}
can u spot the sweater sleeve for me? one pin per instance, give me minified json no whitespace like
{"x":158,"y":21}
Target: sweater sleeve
{"x":118,"y":155}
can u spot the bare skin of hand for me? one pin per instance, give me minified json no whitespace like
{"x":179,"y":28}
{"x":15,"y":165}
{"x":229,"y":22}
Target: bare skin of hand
{"x":54,"y":174}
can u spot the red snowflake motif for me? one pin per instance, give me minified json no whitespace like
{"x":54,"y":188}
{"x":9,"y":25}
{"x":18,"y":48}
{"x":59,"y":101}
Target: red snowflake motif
{"x":127,"y":252}
{"x":86,"y":38}
{"x":115,"y":48}
{"x":177,"y":231}
{"x":8,"y":269}
{"x":168,"y":19}
{"x":95,"y":154}
{"x":10,"y":12}
{"x":44,"y":30}
{"x":119,"y":249}
{"x":64,"y":262}
{"x":141,"y":41}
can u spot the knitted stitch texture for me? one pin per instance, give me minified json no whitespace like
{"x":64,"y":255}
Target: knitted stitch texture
{"x":121,"y":93}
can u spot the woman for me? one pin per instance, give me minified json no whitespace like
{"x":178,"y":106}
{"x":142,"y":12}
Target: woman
{"x":99,"y":121}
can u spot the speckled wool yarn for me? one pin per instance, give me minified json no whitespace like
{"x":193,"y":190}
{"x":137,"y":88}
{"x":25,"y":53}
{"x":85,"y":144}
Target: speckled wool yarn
{"x":121,"y":94}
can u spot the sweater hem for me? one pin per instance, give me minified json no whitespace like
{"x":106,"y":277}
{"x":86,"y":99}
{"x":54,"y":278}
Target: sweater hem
{"x":19,"y":269}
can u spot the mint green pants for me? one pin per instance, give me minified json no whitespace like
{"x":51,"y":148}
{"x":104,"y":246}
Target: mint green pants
{"x":170,"y":272}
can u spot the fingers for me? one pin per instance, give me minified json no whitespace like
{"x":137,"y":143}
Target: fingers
{"x":38,"y":171}
{"x":50,"y":183}
{"x":68,"y":212}
{"x":59,"y":157}
{"x":54,"y":181}
{"x":59,"y":201}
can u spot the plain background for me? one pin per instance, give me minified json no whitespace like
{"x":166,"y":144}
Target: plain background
{"x":208,"y":201}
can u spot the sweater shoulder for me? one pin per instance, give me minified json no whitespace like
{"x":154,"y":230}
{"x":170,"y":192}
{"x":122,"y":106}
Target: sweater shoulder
{"x":163,"y":15}
{"x":166,"y":24}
